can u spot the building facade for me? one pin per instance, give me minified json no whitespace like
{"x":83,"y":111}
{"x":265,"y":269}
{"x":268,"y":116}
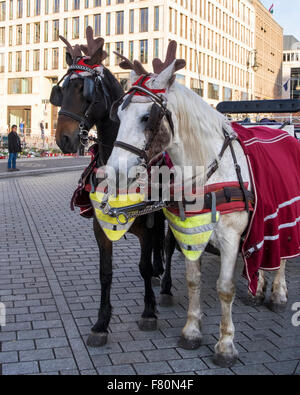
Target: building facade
{"x":291,"y":68}
{"x":216,"y":37}
{"x":266,"y":59}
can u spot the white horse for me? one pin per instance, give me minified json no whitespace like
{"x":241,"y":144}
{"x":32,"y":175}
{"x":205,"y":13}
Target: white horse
{"x":196,"y":140}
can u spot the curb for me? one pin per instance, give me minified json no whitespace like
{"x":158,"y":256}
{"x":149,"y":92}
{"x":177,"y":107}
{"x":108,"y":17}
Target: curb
{"x":40,"y":171}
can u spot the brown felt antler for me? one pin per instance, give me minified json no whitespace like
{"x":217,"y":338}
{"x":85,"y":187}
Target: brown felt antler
{"x":74,"y":52}
{"x":136,"y":66}
{"x":159,"y":66}
{"x":94,"y":47}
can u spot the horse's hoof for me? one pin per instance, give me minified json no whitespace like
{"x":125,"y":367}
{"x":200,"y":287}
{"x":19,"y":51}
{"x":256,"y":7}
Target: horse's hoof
{"x":255,"y":300}
{"x":155,"y":281}
{"x":189,"y":344}
{"x":277,"y":307}
{"x":97,"y":339}
{"x":225,"y":361}
{"x":147,"y":324}
{"x":166,"y":300}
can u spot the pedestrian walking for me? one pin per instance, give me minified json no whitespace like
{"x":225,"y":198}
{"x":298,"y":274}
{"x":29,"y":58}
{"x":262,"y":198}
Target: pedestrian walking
{"x":42,"y":127}
{"x":14,"y":146}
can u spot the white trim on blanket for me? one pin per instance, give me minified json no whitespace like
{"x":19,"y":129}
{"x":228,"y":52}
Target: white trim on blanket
{"x":282,"y":137}
{"x":273,"y":238}
{"x":258,"y":139}
{"x":284,"y":204}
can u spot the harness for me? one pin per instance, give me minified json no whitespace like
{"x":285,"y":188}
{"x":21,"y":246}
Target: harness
{"x":91,"y":85}
{"x":158,"y":111}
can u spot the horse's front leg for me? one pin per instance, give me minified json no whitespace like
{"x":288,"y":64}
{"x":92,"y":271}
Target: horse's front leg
{"x":279,"y":290}
{"x":225,"y":351}
{"x":99,"y":333}
{"x":191,"y":334}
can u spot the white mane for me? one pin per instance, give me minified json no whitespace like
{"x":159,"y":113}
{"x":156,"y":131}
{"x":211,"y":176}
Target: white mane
{"x":199,"y":125}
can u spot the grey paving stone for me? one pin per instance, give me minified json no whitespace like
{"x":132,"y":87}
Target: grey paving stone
{"x":127,"y":358}
{"x":282,"y":368}
{"x":54,"y":365}
{"x":19,"y":345}
{"x":20,"y":368}
{"x":120,"y":370}
{"x":152,"y":368}
{"x":36,"y":355}
{"x":187,"y":364}
{"x":252,"y":370}
{"x":6,"y":357}
{"x":162,"y":355}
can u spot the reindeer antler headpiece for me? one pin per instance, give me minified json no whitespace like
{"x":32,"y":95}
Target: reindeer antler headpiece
{"x":93,"y":49}
{"x":158,"y":65}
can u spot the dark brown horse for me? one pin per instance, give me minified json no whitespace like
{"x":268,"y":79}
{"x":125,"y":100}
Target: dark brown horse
{"x":86,"y":97}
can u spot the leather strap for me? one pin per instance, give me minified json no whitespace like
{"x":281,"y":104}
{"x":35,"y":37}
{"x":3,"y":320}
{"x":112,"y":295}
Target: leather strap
{"x":127,"y":147}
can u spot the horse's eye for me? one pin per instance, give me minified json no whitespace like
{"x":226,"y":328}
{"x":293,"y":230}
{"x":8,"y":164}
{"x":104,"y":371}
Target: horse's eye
{"x":145,"y":118}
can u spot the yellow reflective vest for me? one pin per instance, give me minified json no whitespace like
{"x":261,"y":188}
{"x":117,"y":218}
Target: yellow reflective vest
{"x":193,"y":233}
{"x":111,"y":227}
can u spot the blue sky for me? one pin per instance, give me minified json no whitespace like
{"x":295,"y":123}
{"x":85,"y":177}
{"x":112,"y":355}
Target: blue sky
{"x":287,"y":14}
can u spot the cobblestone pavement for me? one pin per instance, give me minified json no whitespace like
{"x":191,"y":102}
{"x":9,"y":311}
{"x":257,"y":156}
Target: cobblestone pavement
{"x":49,"y":284}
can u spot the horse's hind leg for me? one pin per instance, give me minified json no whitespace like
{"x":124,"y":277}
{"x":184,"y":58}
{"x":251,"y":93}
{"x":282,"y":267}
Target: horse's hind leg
{"x":148,"y":322}
{"x":166,"y":297}
{"x":98,"y":336}
{"x":259,"y":298}
{"x":225,"y":351}
{"x":279,"y":290}
{"x":158,"y":235}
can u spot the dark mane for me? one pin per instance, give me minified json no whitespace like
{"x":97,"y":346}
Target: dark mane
{"x":114,"y":87}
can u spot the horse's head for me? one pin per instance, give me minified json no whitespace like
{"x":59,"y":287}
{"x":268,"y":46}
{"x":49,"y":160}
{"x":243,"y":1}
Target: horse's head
{"x":82,"y":95}
{"x":146,"y":124}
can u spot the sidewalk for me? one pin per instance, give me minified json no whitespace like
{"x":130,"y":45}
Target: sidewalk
{"x":49,"y":283}
{"x":39,"y":166}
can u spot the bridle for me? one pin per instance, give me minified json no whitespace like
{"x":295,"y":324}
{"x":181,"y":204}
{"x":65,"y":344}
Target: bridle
{"x":85,"y":121}
{"x":140,"y":89}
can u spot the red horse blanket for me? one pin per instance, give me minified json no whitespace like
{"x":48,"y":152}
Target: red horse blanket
{"x":274,"y":230}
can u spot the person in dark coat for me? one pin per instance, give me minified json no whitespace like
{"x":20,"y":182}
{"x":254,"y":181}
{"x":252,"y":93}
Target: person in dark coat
{"x":14,"y":146}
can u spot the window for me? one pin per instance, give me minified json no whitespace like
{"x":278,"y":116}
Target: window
{"x":2,"y":64}
{"x":227,"y":94}
{"x":143,"y":19}
{"x":75,"y":28}
{"x":131,"y":49}
{"x":37,"y":31}
{"x":46,"y":54}
{"x":19,"y":35}
{"x":156,"y":18}
{"x":131,"y":21}
{"x":55,"y":30}
{"x":55,"y":58}
{"x":213,"y":91}
{"x":36,"y":59}
{"x":120,"y":50}
{"x":120,"y":22}
{"x":37,"y":7}
{"x":19,"y":8}
{"x":19,"y":86}
{"x":108,"y":24}
{"x":156,"y":48}
{"x":97,"y":25}
{"x":144,"y":51}
{"x":18,"y":61}
{"x":2,"y":11}
{"x":2,"y":36}
{"x":56,"y":6}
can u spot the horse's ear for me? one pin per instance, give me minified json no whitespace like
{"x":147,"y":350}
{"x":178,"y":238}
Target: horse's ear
{"x":69,"y":59}
{"x":165,"y":78}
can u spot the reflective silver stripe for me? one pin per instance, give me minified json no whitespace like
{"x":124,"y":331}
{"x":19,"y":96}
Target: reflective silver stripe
{"x":195,"y":247}
{"x":96,"y":204}
{"x":191,"y":231}
{"x":114,"y":227}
